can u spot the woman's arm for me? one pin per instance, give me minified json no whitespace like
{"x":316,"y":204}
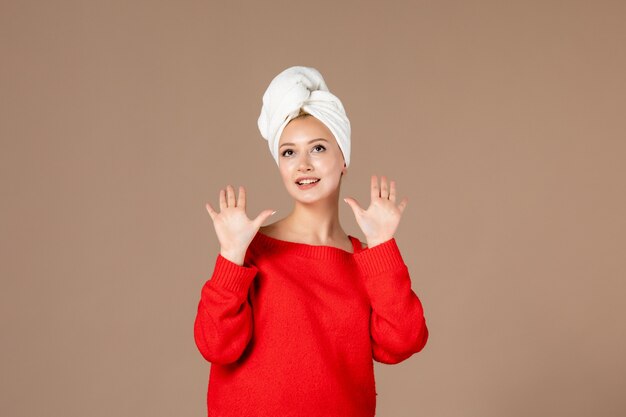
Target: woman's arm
{"x":223,"y":324}
{"x":398,"y":326}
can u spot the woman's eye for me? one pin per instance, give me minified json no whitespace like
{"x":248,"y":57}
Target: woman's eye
{"x":315,"y":147}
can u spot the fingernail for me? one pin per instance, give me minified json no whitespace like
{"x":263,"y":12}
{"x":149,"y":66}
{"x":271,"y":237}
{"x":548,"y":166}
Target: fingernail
{"x":273,"y":212}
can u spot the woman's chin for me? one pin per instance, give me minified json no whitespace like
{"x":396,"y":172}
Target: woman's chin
{"x":311,"y":198}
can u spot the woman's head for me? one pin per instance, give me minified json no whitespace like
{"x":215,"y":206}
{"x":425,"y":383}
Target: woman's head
{"x":299,"y":89}
{"x":308,"y":149}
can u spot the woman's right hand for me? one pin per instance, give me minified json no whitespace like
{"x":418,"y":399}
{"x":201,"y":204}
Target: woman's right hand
{"x":234,"y":229}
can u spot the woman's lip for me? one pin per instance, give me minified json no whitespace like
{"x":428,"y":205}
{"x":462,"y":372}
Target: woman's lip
{"x":307,"y":186}
{"x":309,"y":178}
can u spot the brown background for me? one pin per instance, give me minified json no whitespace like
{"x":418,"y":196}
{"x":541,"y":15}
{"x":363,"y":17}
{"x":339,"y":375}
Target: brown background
{"x":503,"y":122}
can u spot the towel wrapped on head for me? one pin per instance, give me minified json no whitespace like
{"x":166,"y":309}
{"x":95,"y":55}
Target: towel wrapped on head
{"x":303,"y":88}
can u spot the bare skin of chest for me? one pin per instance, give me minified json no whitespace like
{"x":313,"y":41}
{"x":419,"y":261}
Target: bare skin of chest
{"x":275,"y":233}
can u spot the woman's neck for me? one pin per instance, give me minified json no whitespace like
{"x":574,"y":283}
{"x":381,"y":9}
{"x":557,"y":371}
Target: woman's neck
{"x":315,"y":224}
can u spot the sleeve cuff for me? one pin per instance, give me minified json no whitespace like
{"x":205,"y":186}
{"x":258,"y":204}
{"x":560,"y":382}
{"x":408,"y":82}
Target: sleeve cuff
{"x":232,"y":276}
{"x":380,"y":258}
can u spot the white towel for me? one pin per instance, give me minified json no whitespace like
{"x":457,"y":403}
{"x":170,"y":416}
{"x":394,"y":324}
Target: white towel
{"x":302,"y":87}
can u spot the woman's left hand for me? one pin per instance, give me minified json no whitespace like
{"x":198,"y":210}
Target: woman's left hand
{"x":380,"y":221}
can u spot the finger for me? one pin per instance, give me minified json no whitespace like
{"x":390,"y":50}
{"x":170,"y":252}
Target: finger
{"x":264,"y":215}
{"x":223,"y":199}
{"x":392,"y":191}
{"x":384,"y":191}
{"x":242,"y":197}
{"x":230,"y":196}
{"x":375,"y":192}
{"x":354,"y":205}
{"x":403,"y":204}
{"x":212,"y":212}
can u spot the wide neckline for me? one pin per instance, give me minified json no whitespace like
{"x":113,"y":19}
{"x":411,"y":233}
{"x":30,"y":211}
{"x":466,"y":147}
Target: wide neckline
{"x":305,"y":249}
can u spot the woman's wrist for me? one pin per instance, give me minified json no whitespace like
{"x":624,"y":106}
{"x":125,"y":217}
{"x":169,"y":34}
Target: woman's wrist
{"x":234,"y":257}
{"x":374,"y":242}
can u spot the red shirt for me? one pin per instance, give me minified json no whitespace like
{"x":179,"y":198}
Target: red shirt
{"x":295,"y":330}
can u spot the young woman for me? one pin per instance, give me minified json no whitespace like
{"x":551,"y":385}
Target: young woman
{"x":296,"y":312}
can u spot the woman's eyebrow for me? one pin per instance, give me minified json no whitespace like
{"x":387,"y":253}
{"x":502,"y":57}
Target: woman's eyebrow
{"x":311,"y":141}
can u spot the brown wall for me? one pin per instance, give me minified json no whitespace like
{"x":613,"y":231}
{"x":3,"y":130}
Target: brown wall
{"x":503,"y":122}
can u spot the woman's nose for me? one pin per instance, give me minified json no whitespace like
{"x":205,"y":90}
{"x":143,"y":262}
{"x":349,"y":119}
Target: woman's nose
{"x":304,"y":163}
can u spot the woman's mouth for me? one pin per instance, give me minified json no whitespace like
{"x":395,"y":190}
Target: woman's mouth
{"x":308,"y":183}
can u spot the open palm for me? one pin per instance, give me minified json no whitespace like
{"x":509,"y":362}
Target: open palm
{"x":233,"y":228}
{"x":381,"y":219}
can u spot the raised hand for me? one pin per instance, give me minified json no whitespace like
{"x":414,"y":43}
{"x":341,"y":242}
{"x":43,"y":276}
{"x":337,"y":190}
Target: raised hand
{"x":233,"y":228}
{"x":380,"y":221}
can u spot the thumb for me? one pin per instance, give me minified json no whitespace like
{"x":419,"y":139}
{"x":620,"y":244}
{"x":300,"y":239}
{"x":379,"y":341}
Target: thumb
{"x":354,"y":205}
{"x":264,"y":215}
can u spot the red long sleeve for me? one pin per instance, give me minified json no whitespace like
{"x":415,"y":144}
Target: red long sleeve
{"x":398,"y":327}
{"x":223,"y":325}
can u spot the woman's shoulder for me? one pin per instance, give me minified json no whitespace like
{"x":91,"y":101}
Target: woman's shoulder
{"x":271,"y":230}
{"x":277,"y":230}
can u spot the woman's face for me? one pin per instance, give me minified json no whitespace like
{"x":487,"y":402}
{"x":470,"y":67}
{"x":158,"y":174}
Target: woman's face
{"x":308,"y":149}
